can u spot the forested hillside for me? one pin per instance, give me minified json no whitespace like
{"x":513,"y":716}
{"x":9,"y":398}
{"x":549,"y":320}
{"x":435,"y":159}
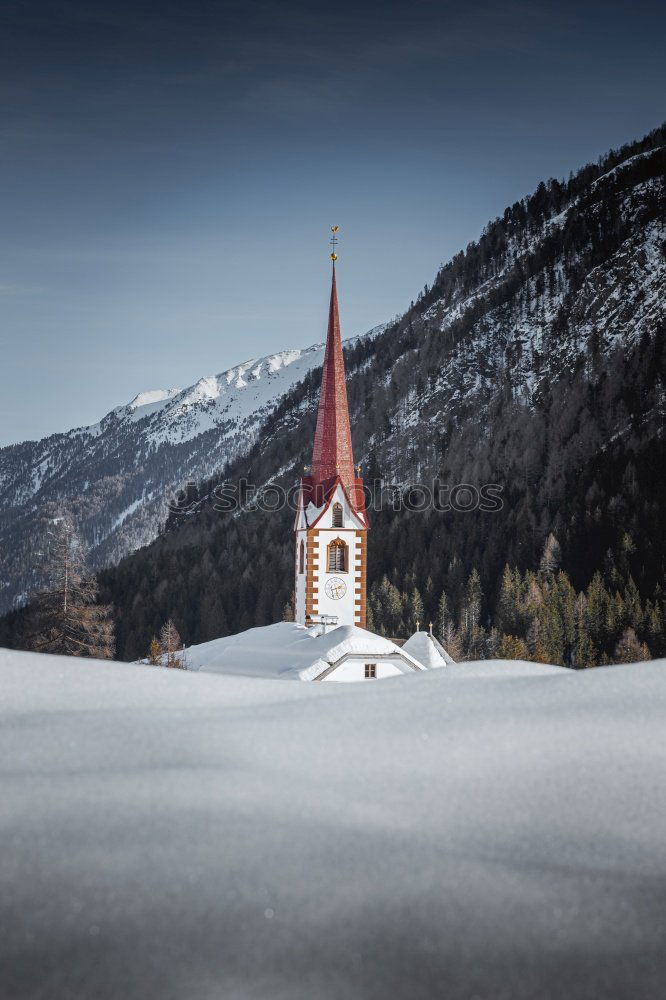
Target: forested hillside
{"x":535,"y":362}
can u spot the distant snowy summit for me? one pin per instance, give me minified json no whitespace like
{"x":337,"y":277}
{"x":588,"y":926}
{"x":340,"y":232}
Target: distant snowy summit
{"x":151,"y":396}
{"x":179,"y":415}
{"x":236,"y":394}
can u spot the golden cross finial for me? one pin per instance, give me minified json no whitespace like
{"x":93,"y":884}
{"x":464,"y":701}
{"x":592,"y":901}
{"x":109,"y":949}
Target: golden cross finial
{"x":334,"y":242}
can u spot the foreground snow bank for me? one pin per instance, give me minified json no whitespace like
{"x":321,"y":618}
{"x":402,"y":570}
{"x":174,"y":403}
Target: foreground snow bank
{"x":173,"y":835}
{"x":503,"y":668}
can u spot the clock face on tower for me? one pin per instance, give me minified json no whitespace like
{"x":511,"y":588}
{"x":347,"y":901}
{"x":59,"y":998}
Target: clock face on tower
{"x":336,"y":588}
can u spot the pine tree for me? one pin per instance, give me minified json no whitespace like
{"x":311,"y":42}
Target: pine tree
{"x":616,"y":615}
{"x":551,"y":558}
{"x":429,"y":592}
{"x":586,"y":654}
{"x":512,"y":648}
{"x":288,"y":612}
{"x":655,"y":627}
{"x":391,"y":605}
{"x":632,"y":605}
{"x":493,"y":642}
{"x":627,"y":549}
{"x":506,"y":611}
{"x":566,"y":602}
{"x":375,"y":611}
{"x":473,"y":598}
{"x":443,"y":618}
{"x":553,"y":633}
{"x":597,"y":602}
{"x":416,"y":611}
{"x":470,"y":620}
{"x":155,"y":652}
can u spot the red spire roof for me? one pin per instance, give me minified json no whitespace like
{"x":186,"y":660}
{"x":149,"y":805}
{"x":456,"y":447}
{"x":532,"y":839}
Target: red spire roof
{"x":332,"y":453}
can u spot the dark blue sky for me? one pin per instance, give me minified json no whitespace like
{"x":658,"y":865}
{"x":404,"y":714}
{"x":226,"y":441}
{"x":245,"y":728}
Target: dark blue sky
{"x":170,"y":169}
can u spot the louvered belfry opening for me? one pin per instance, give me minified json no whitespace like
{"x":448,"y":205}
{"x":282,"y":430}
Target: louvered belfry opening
{"x":337,"y":557}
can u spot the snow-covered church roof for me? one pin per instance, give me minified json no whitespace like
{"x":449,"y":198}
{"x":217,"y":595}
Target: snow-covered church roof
{"x":291,"y":651}
{"x":425,"y":648}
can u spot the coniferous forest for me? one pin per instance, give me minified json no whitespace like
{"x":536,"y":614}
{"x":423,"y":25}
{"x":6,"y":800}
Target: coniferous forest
{"x":535,"y":362}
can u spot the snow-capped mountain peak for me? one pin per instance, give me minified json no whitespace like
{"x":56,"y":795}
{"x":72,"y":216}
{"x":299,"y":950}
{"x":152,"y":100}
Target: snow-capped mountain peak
{"x":151,"y":396}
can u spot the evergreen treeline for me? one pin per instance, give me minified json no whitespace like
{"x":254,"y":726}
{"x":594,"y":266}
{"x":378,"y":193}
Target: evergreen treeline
{"x":535,"y":616}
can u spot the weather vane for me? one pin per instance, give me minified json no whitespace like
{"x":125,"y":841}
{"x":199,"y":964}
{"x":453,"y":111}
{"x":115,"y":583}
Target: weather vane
{"x":334,"y":242}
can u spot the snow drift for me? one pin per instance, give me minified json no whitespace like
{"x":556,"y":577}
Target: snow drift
{"x":169,"y":835}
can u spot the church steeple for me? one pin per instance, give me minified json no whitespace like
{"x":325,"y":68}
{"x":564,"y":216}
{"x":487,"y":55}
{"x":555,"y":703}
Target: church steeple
{"x":332,"y":453}
{"x":331,"y":523}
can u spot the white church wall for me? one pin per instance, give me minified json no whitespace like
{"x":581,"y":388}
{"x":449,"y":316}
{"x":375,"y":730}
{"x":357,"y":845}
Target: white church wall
{"x":328,"y":604}
{"x":340,"y":600}
{"x":352,"y":669}
{"x":301,"y":578}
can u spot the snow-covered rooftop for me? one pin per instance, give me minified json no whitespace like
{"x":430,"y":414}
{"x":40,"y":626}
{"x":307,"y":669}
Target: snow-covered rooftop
{"x":287,"y":650}
{"x":427,"y":650}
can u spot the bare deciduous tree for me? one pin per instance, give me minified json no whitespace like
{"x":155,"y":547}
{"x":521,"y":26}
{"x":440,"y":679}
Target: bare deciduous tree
{"x":452,"y":642}
{"x":173,"y":654}
{"x":65,"y":616}
{"x":629,"y":649}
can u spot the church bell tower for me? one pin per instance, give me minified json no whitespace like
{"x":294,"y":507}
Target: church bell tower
{"x":331,"y":523}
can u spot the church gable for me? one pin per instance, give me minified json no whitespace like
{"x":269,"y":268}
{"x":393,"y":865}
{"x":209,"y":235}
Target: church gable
{"x":337,"y":512}
{"x":352,"y":667}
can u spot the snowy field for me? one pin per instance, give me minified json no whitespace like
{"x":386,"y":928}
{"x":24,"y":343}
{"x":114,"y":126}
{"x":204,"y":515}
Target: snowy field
{"x":491,"y":832}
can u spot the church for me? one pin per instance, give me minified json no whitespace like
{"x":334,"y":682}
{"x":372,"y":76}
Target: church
{"x":328,"y":640}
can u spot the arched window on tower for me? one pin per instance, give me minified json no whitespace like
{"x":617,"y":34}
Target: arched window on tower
{"x":301,"y":558}
{"x":337,"y":557}
{"x":337,"y":515}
